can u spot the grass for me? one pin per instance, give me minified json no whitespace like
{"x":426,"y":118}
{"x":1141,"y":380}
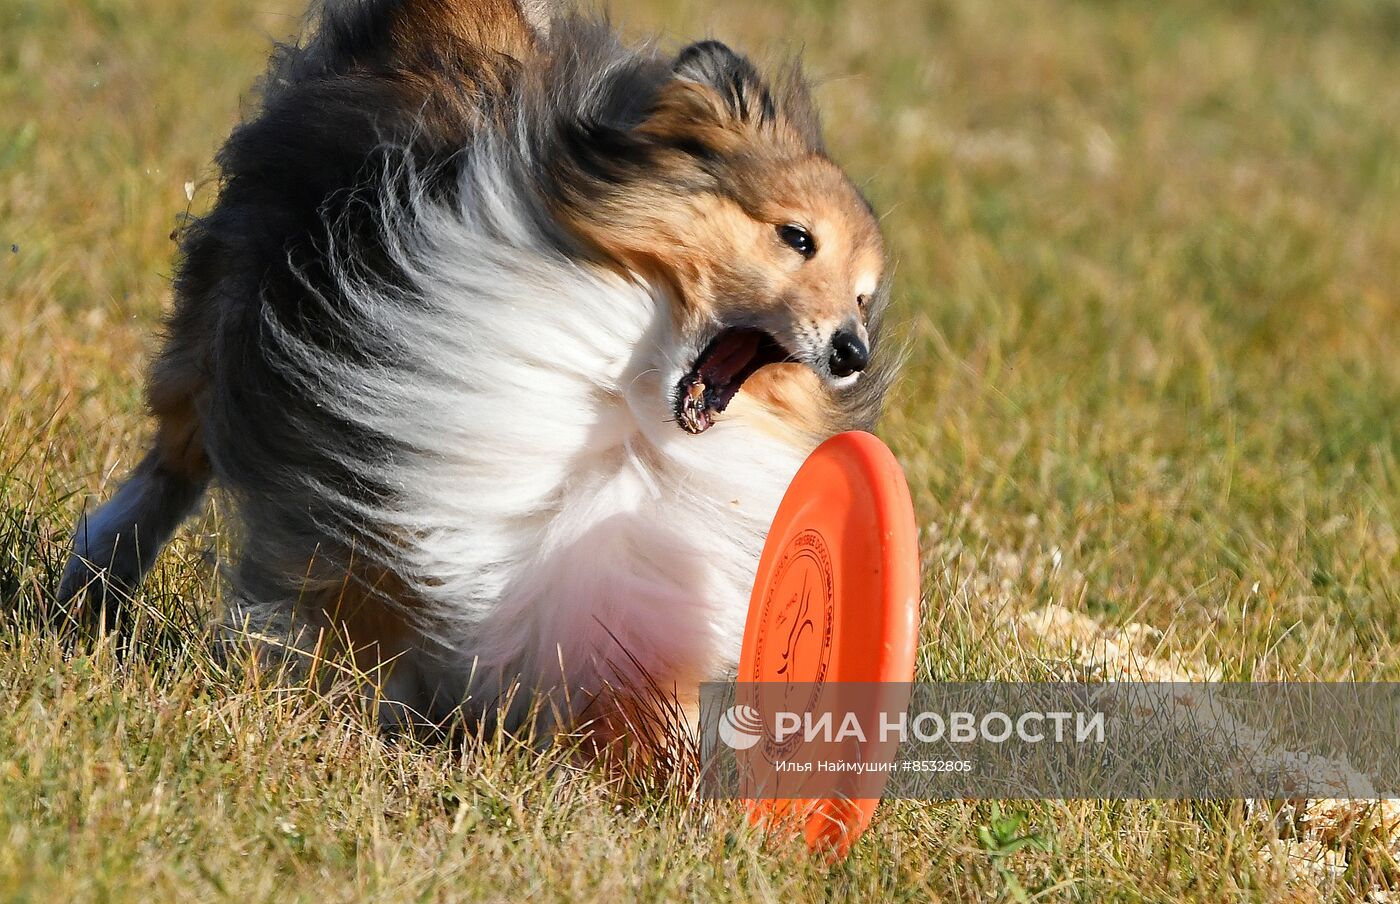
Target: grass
{"x":1147,"y":257}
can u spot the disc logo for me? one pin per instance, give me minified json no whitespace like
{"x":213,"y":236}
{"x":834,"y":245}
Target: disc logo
{"x":799,"y":618}
{"x":740,"y":727}
{"x":799,"y":613}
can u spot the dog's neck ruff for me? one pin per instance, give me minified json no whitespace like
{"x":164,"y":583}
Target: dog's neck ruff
{"x":546,"y":510}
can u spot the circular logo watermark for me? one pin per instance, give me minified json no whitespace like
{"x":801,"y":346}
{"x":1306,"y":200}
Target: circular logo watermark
{"x":741,"y":727}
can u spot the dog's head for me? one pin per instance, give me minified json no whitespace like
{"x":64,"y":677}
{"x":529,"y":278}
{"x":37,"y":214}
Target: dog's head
{"x":720,"y":191}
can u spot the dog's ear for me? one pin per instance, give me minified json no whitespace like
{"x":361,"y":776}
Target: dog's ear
{"x":798,"y":108}
{"x":714,"y":102}
{"x":714,"y":90}
{"x":744,"y":94}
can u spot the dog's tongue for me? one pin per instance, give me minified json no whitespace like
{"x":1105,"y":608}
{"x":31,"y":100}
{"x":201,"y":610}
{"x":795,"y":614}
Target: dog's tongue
{"x":730,"y":357}
{"x":723,"y":367}
{"x":718,"y":375}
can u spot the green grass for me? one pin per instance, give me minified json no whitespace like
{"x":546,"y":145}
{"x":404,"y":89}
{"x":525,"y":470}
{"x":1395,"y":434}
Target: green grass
{"x":1148,"y":258}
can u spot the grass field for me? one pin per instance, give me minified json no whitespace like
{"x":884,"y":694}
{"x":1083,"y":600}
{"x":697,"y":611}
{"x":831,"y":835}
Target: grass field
{"x":1148,"y":258}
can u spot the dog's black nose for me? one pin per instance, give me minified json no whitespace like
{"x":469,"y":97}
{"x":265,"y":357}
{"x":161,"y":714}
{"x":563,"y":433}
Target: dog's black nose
{"x":848,"y":354}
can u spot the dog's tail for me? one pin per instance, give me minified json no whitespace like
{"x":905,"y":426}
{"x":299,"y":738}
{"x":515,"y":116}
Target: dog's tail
{"x":115,"y":545}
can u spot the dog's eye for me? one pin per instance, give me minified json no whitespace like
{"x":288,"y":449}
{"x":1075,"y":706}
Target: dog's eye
{"x":798,"y":239}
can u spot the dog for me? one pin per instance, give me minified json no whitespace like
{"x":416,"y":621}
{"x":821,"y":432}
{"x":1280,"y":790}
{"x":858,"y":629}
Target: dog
{"x":504,"y":339}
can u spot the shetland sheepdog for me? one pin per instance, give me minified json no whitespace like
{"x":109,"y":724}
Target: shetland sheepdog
{"x":503,"y":339}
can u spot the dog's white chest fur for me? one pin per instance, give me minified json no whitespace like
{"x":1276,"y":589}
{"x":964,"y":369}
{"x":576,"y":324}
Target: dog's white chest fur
{"x":549,"y":510}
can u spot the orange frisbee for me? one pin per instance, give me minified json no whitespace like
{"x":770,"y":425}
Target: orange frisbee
{"x":836,"y":601}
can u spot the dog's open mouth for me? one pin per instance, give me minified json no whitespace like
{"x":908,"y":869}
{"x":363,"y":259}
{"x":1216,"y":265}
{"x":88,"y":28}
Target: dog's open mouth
{"x":731,"y":358}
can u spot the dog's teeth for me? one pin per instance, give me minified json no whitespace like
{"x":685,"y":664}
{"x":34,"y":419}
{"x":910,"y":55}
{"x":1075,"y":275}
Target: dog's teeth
{"x":695,"y":417}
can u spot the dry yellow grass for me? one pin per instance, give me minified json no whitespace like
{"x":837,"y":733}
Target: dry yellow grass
{"x":1148,"y":260}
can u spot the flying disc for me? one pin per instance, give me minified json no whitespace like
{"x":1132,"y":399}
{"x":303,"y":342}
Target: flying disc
{"x":836,"y":601}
